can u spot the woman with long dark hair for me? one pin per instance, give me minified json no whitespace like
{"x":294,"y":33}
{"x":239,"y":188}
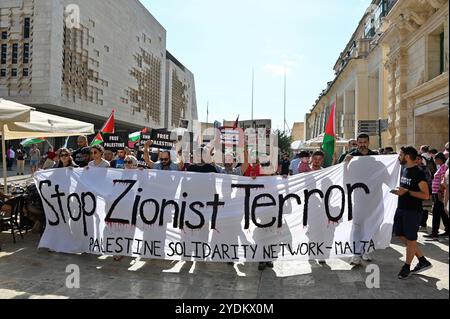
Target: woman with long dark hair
{"x":65,"y":159}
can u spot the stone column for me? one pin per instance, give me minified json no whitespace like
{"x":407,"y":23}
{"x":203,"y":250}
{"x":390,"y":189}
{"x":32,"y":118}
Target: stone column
{"x":361,"y":94}
{"x":392,"y":131}
{"x":401,"y":117}
{"x":349,"y":115}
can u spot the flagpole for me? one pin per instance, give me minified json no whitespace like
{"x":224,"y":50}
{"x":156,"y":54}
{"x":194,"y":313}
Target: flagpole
{"x":253,"y":90}
{"x":284,"y":123}
{"x":207,"y":113}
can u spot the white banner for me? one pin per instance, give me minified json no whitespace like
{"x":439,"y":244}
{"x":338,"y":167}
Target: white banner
{"x":337,"y":212}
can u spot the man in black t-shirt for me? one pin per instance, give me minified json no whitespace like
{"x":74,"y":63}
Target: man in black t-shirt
{"x":77,"y":155}
{"x":412,"y":192}
{"x":363,"y":148}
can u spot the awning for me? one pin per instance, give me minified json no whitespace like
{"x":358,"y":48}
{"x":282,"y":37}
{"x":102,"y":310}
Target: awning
{"x":19,"y":121}
{"x":46,"y":125}
{"x":14,"y":112}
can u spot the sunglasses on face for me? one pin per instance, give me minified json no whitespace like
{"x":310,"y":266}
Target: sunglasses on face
{"x":164,"y":159}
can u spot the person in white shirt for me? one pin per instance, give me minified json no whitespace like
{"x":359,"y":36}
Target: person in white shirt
{"x":97,"y":154}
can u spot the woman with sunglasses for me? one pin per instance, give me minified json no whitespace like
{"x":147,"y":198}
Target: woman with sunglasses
{"x":65,"y":159}
{"x":97,"y":156}
{"x":131,"y":162}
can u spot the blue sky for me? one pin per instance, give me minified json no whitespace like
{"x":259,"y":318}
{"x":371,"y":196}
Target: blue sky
{"x":221,"y":41}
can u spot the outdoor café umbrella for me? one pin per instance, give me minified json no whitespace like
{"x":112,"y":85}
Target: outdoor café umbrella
{"x":17,"y":125}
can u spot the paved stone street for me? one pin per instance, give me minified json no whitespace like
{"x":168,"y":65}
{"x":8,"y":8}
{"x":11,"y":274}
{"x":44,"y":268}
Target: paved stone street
{"x":26,"y":272}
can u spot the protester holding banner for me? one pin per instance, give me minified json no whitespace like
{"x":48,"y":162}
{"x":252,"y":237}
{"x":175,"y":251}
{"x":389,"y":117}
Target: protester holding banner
{"x":77,"y":155}
{"x":85,"y":156}
{"x":304,"y":165}
{"x":108,"y":155}
{"x":131,"y":162}
{"x":97,"y":155}
{"x":412,"y":192}
{"x":363,"y":141}
{"x":230,"y":168}
{"x":65,"y":160}
{"x":165,"y":161}
{"x":201,"y":161}
{"x":119,"y":162}
{"x":317,"y":161}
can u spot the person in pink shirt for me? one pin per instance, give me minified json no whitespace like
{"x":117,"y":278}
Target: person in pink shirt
{"x":438,"y":199}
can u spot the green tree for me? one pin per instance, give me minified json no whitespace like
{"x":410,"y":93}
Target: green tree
{"x":284,"y":142}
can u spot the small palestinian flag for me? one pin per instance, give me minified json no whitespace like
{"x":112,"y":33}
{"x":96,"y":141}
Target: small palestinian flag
{"x":98,"y":140}
{"x":32,"y":141}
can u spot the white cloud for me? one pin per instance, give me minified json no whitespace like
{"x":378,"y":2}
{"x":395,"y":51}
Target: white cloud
{"x":289,"y":62}
{"x":276,"y":69}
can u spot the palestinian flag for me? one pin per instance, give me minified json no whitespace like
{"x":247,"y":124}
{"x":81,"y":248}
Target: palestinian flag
{"x":32,"y":141}
{"x":135,"y":137}
{"x":98,"y":140}
{"x":329,"y":140}
{"x":108,"y":128}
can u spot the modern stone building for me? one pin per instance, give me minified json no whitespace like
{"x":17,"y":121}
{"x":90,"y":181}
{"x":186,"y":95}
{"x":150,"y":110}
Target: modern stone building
{"x":298,"y":131}
{"x":392,"y":71}
{"x":82,"y":59}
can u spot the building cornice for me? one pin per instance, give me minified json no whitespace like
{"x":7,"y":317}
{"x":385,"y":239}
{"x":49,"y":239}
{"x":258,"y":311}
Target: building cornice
{"x":427,"y":87}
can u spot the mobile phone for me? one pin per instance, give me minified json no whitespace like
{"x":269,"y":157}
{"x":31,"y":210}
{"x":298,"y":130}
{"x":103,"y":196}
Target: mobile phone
{"x":394,"y":191}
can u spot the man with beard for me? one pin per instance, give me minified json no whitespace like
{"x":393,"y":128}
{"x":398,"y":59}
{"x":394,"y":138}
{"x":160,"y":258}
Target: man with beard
{"x":119,"y":162}
{"x":412,"y":192}
{"x":164,"y":163}
{"x":78,"y":155}
{"x":363,"y":142}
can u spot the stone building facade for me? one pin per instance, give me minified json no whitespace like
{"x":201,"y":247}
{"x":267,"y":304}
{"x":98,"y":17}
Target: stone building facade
{"x":392,"y":72}
{"x":82,"y":59}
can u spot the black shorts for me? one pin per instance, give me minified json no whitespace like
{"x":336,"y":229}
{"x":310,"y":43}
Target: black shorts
{"x":407,"y":223}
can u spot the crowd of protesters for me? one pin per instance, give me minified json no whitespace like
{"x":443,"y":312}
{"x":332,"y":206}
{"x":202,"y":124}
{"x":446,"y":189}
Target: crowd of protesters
{"x":424,"y":177}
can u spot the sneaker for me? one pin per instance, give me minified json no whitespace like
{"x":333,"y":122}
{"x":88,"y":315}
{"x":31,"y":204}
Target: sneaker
{"x":421,"y":267}
{"x":443,"y":234}
{"x":404,"y":273}
{"x":356,"y":260}
{"x":366,"y":257}
{"x":269,"y":264}
{"x":261,"y":266}
{"x":431,"y":236}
